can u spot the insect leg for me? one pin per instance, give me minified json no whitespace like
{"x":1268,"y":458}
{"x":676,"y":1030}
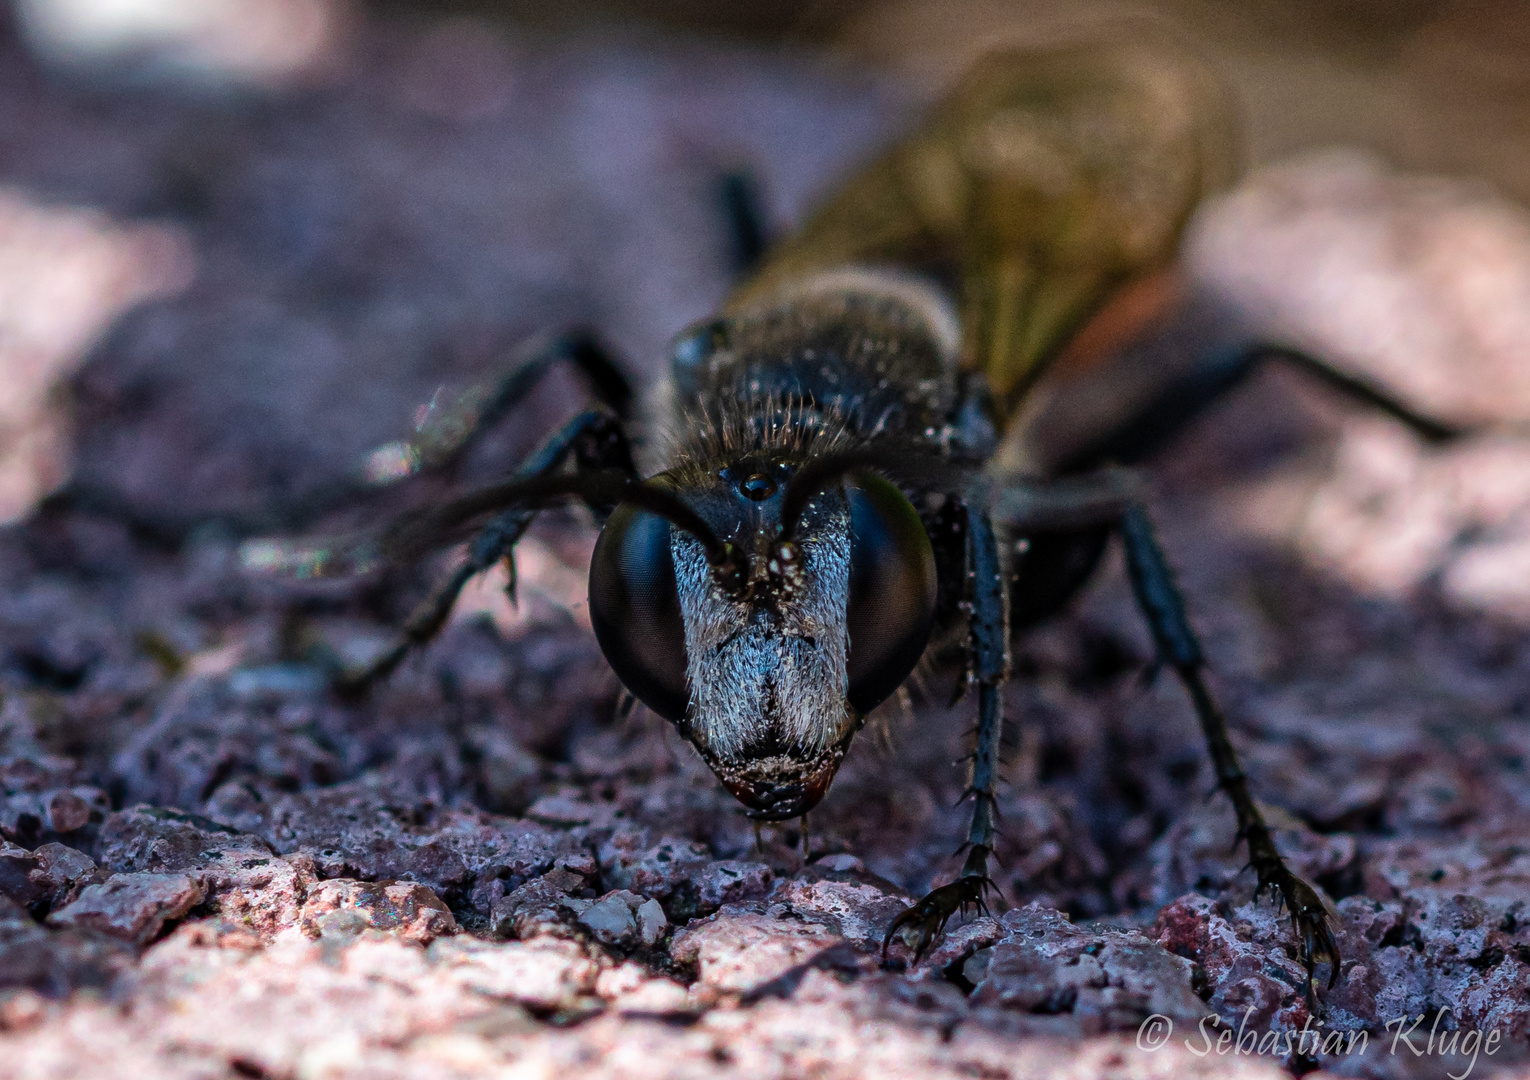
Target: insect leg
{"x":1173,"y":407}
{"x":988,"y":594}
{"x":1361,"y":391}
{"x":1178,"y":647}
{"x":1114,"y":497}
{"x":596,"y":441}
{"x":448,"y":430}
{"x":990,"y":667}
{"x":738,"y":195}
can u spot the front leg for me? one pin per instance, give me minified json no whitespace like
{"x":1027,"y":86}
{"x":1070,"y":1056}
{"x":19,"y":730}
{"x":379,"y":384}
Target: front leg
{"x":1159,"y":598}
{"x":986,"y":586}
{"x":596,"y":441}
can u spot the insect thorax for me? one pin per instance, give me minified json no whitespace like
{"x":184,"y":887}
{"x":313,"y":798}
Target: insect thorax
{"x":838,"y":359}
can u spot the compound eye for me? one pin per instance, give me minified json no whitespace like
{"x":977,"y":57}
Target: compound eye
{"x":891,"y":608}
{"x":635,"y":609}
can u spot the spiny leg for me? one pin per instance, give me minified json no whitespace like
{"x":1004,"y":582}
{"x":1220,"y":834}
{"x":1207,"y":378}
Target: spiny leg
{"x":596,"y":441}
{"x":1114,"y":497}
{"x":920,"y":924}
{"x":1159,"y":598}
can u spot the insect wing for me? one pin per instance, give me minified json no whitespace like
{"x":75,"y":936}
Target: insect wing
{"x":1048,"y":179}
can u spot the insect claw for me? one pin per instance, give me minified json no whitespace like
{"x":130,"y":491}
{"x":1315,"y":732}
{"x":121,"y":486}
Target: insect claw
{"x":921,"y":923}
{"x":1309,"y":919}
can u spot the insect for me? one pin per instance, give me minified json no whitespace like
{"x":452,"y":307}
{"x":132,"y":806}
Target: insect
{"x":829,"y":478}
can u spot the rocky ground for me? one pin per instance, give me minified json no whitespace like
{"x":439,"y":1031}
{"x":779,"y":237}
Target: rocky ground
{"x":211,"y":866}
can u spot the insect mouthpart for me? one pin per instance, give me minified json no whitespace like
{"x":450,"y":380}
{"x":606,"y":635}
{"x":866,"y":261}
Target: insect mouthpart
{"x":780,"y":787}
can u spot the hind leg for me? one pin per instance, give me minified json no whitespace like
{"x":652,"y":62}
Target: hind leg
{"x":1112,"y":497}
{"x":1174,"y":406}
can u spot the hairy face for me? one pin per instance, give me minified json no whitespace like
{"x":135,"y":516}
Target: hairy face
{"x":768,"y":674}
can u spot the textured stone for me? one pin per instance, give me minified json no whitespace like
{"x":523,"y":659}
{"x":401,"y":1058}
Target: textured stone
{"x":133,"y":907}
{"x":157,"y":840}
{"x":245,"y":880}
{"x":29,"y":816}
{"x":408,"y":910}
{"x":547,"y":974}
{"x":55,"y":962}
{"x":213,"y":746}
{"x":366,"y":830}
{"x":18,"y":871}
{"x":611,"y":919}
{"x":1253,"y":983}
{"x":47,"y":878}
{"x":651,"y":923}
{"x":68,"y":811}
{"x":1197,"y":852}
{"x":629,"y":988}
{"x":359,"y":247}
{"x":858,"y":912}
{"x":624,"y":918}
{"x":742,"y":951}
{"x":1079,"y":980}
{"x":681,"y":875}
{"x":538,"y":907}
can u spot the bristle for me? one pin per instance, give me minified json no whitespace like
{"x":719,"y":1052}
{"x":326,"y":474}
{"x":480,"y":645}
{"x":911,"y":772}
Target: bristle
{"x":775,"y":424}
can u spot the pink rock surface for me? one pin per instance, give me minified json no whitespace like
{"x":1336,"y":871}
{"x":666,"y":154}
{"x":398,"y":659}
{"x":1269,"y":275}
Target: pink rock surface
{"x":735,"y":952}
{"x":410,"y":911}
{"x":246,"y":882}
{"x":134,"y":907}
{"x":1063,"y":979}
{"x":1417,"y":281}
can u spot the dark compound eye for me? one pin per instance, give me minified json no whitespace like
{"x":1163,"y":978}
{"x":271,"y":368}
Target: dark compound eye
{"x":891,"y":609}
{"x":635,"y":609}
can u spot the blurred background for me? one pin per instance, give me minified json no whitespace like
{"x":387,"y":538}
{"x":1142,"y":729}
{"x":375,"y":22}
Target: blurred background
{"x":242,"y":240}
